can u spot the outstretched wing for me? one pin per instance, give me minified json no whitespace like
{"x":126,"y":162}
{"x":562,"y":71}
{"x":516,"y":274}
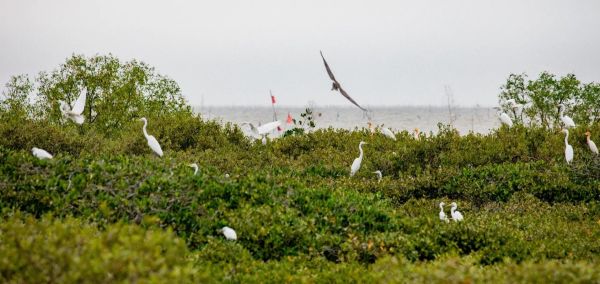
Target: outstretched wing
{"x":350,"y":99}
{"x":79,"y":104}
{"x":327,"y":67}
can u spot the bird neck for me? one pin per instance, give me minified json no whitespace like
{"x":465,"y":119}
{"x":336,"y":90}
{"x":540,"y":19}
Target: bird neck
{"x":567,"y":138}
{"x":441,"y":207}
{"x":361,"y":151}
{"x":144,"y":128}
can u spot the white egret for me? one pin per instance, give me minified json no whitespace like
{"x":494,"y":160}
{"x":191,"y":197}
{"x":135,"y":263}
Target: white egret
{"x":443,"y":216}
{"x":387,"y":132}
{"x":264,"y":140}
{"x":41,"y":153}
{"x":229,"y":233}
{"x":356,"y":164}
{"x":591,"y":143}
{"x":456,"y":215}
{"x":505,"y":119}
{"x":566,"y":120}
{"x":513,"y":104}
{"x":379,"y":175}
{"x":152,"y":142}
{"x":75,"y":113}
{"x":195,"y":167}
{"x":568,"y":148}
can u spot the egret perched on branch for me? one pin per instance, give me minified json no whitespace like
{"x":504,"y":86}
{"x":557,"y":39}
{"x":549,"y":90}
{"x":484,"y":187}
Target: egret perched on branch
{"x":443,"y":216}
{"x":456,"y":216}
{"x":568,"y":148}
{"x":229,"y":233}
{"x":356,"y":164}
{"x":379,"y":175}
{"x":152,"y":142}
{"x":195,"y":167}
{"x":75,"y":113}
{"x":591,"y":143}
{"x":566,"y":120}
{"x":513,"y":104}
{"x":387,"y":132}
{"x":41,"y":153}
{"x":505,"y":119}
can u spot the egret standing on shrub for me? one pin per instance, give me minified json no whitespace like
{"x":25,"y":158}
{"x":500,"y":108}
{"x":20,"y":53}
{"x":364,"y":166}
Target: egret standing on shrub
{"x":379,"y":175}
{"x":456,"y":216}
{"x":566,"y":120}
{"x":356,"y":164}
{"x":387,"y":132}
{"x":591,"y":143}
{"x":152,"y":142}
{"x":41,"y":153}
{"x":568,"y":148}
{"x":195,"y":167}
{"x":229,"y":233}
{"x":505,"y":119}
{"x":75,"y":113}
{"x":443,"y":216}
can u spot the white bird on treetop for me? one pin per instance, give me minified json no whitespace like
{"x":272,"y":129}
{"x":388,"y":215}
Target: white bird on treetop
{"x":568,"y":148}
{"x":152,"y":142}
{"x":387,"y":132}
{"x":443,"y":216}
{"x":591,"y":143}
{"x":379,"y":175}
{"x":456,"y":216}
{"x":356,"y":164}
{"x":41,"y":153}
{"x":229,"y":233}
{"x":566,"y":120}
{"x":505,"y":119}
{"x":75,"y":113}
{"x":195,"y":167}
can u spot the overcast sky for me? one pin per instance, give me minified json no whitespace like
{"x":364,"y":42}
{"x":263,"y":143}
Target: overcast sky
{"x":382,"y":52}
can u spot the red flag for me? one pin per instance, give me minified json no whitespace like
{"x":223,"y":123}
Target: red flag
{"x":272,"y":99}
{"x":289,"y":119}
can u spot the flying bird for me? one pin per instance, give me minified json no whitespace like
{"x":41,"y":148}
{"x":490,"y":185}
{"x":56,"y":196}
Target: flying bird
{"x":336,"y":85}
{"x":75,"y":113}
{"x":152,"y":142}
{"x":40,"y":153}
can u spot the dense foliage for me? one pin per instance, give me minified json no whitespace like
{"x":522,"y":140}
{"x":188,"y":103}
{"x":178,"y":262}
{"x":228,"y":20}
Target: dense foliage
{"x":106,"y":209}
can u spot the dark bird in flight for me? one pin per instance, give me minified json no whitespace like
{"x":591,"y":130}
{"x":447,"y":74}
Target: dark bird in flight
{"x":336,"y":85}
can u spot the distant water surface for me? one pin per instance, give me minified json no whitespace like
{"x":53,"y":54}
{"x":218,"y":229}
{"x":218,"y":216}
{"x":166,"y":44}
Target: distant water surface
{"x":426,"y":119}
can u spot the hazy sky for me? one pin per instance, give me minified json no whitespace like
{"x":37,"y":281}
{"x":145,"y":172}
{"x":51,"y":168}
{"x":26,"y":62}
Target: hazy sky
{"x":382,"y":52}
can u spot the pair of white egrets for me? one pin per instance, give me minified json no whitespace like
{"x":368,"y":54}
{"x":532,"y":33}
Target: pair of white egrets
{"x":152,"y":142}
{"x":569,"y":149}
{"x":456,"y":215}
